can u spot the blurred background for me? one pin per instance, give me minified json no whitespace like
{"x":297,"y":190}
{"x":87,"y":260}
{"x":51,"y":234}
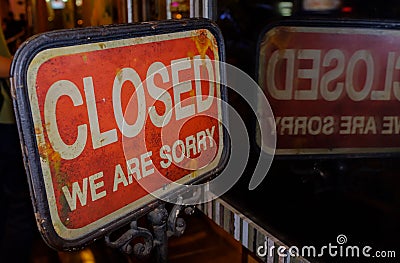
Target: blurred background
{"x":240,"y":20}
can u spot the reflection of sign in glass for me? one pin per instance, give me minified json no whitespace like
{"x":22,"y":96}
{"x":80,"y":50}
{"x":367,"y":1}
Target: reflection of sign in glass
{"x":320,"y":5}
{"x":333,"y":90}
{"x":57,"y":4}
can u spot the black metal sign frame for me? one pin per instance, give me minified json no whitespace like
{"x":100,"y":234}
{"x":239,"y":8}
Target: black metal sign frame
{"x":70,"y":38}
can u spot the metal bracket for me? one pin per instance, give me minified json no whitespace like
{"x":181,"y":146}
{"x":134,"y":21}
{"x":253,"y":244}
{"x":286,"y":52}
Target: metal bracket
{"x":158,"y":220}
{"x":123,"y":243}
{"x":176,"y":225}
{"x":164,"y":225}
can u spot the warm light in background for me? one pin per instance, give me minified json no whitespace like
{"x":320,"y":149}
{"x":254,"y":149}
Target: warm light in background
{"x":84,"y":256}
{"x":179,"y":9}
{"x":87,"y":256}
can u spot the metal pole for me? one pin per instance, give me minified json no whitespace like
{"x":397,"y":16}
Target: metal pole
{"x":158,"y":219}
{"x":192,"y":8}
{"x":169,"y":15}
{"x":210,"y":9}
{"x":206,"y":9}
{"x":129,"y":5}
{"x":203,"y":8}
{"x":197,"y":8}
{"x":213,"y":10}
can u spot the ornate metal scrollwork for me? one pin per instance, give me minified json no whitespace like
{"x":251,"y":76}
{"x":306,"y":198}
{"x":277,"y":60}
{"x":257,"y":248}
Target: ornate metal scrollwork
{"x":163,"y":226}
{"x":123,"y":243}
{"x":176,"y":225}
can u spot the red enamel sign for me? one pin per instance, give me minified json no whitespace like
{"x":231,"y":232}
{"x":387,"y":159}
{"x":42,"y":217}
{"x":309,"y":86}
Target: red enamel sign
{"x":113,"y":116}
{"x":332,"y":89}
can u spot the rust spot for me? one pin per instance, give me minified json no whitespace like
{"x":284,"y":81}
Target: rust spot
{"x":102,"y":45}
{"x":119,"y":74}
{"x":39,"y":219}
{"x":47,"y":152}
{"x":203,"y":43}
{"x":37,"y":130}
{"x":194,"y":166}
{"x":84,"y":58}
{"x":54,"y":158}
{"x":280,"y":38}
{"x":190,"y":55}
